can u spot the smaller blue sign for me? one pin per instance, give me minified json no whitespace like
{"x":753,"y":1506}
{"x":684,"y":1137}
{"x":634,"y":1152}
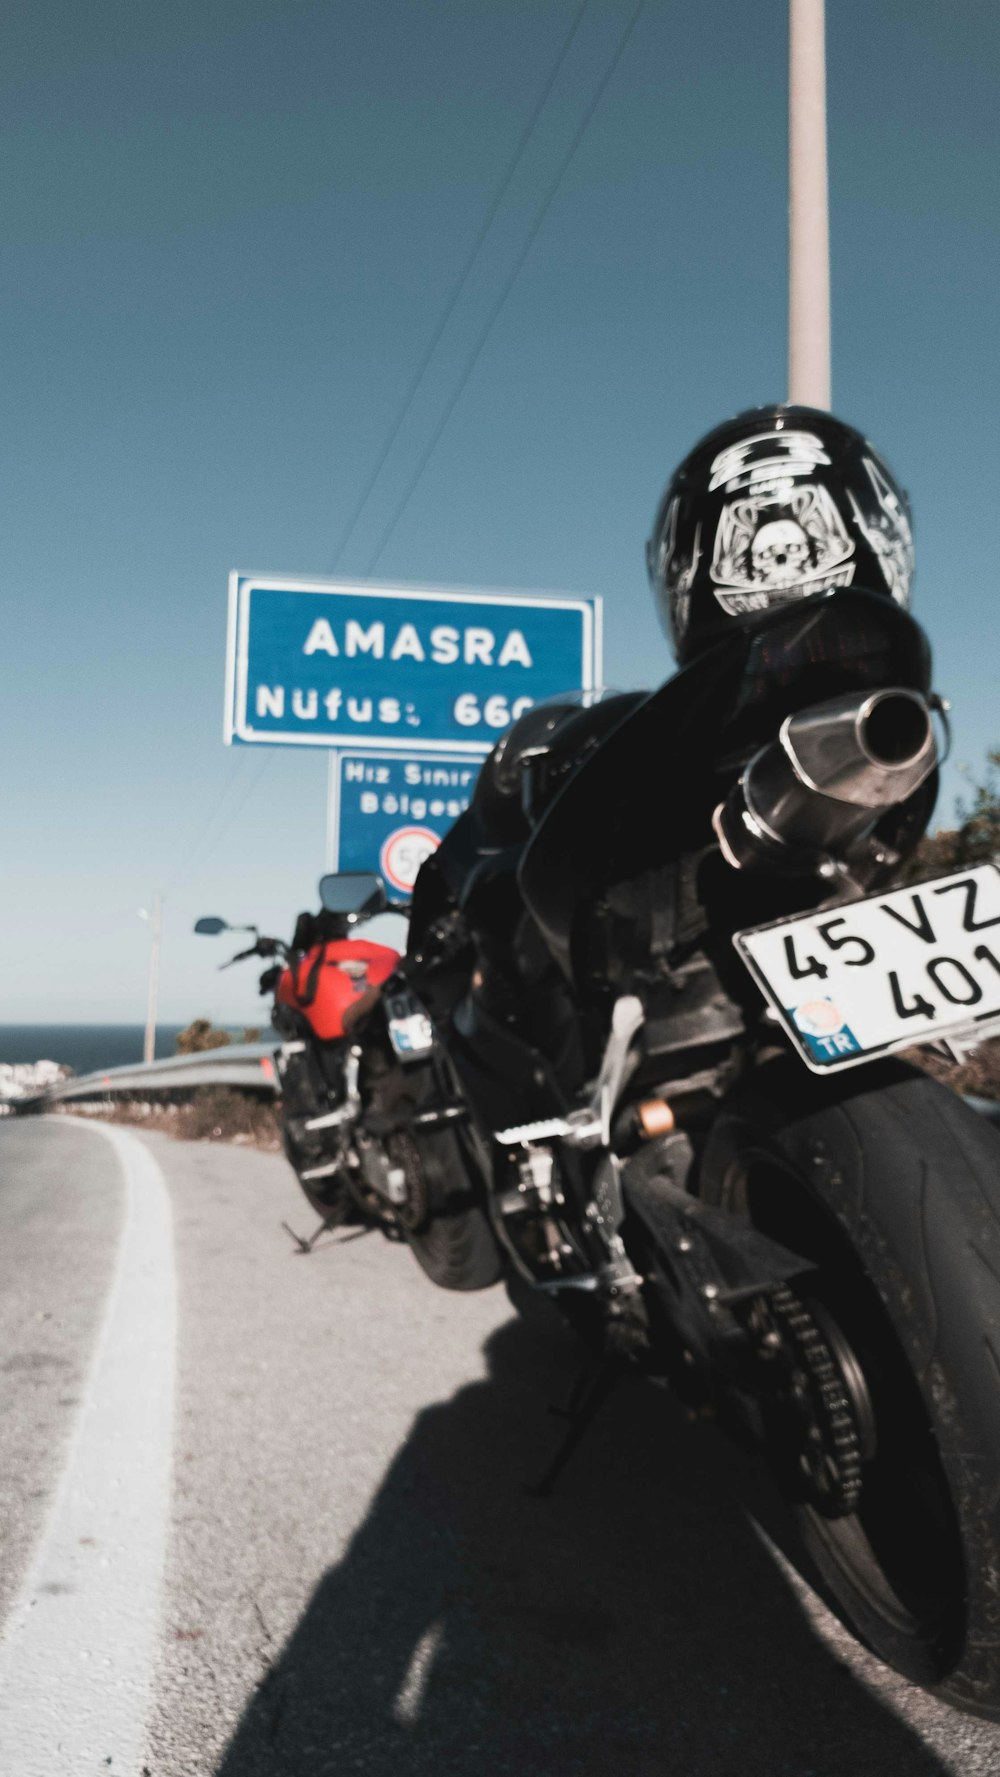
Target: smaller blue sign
{"x":390,"y":812}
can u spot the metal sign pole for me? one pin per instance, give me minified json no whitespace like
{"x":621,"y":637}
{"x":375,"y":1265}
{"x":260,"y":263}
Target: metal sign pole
{"x":332,"y":853}
{"x":808,"y":221}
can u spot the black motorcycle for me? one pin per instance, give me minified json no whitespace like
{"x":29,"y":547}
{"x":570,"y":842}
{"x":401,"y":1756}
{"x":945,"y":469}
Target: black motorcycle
{"x":639,"y":1060}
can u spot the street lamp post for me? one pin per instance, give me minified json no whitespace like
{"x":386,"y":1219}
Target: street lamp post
{"x":808,"y":220}
{"x":153,"y":920}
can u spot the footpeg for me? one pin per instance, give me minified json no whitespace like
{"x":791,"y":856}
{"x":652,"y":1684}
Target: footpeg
{"x":448,"y":1113}
{"x":579,"y":1129}
{"x":333,"y":1119}
{"x":321,"y":1171}
{"x":590,"y":1126}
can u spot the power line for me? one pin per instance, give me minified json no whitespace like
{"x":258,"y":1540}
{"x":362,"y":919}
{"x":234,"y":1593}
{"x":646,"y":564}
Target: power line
{"x":459,"y":286}
{"x":202,"y":832}
{"x":230,"y":814}
{"x":237,"y":807}
{"x":509,"y":285}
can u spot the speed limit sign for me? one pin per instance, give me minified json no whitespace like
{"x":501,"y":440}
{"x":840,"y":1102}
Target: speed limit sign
{"x":403,"y":853}
{"x":389,"y":812}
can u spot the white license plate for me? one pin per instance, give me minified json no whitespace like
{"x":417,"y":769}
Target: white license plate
{"x":410,"y":1030}
{"x":876,"y":975}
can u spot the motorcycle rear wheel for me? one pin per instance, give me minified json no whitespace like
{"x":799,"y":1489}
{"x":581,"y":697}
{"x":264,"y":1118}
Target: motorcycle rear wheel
{"x":891,"y":1185}
{"x":449,"y":1236}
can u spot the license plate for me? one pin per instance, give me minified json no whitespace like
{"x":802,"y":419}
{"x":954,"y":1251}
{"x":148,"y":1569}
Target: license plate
{"x":881,"y":974}
{"x":410,"y":1030}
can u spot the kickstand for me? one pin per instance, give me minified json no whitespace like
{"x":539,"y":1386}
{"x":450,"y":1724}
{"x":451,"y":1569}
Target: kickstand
{"x":306,"y":1246}
{"x":589,"y":1393}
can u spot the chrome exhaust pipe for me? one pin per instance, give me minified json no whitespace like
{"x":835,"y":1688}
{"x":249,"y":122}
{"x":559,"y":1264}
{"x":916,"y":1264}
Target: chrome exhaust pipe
{"x":833,"y":770}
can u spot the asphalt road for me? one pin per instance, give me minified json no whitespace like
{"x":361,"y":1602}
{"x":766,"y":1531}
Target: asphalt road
{"x":265,"y":1515}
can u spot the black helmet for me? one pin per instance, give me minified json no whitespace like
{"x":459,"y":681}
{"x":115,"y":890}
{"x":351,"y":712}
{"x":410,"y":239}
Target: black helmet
{"x":778,"y":504}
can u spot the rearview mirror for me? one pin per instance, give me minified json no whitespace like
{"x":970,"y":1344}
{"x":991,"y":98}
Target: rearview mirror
{"x":210,"y":927}
{"x":360,"y":892}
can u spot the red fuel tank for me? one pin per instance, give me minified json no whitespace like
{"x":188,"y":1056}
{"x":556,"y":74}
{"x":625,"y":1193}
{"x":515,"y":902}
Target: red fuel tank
{"x":328,"y":979}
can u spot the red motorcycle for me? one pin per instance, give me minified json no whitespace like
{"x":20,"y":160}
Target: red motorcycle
{"x":323,"y":983}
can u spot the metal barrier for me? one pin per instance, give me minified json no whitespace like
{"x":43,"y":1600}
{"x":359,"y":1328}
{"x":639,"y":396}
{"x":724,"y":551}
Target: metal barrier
{"x":249,"y":1066}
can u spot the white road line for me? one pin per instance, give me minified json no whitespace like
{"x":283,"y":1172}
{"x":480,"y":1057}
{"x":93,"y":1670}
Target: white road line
{"x":78,"y":1647}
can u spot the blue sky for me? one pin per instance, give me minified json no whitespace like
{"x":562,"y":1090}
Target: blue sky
{"x":229,"y":231}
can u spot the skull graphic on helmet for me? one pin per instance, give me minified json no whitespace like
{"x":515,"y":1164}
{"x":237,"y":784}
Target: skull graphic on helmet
{"x":776,"y":543}
{"x":779,"y":553}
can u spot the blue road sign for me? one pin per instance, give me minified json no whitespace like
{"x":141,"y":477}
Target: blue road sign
{"x":328,"y":664}
{"x":390,"y":812}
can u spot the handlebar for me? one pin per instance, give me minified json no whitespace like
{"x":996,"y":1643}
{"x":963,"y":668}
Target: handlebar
{"x":262,"y":947}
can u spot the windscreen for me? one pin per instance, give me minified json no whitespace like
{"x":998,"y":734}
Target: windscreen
{"x":353,"y":892}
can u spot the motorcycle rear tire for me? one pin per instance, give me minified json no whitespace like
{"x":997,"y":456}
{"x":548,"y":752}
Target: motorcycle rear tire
{"x":892,"y":1186}
{"x":455,"y":1246}
{"x":458,"y":1252}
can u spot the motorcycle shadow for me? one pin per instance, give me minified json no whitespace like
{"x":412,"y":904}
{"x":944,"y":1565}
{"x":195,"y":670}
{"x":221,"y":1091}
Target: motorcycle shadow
{"x":631,"y":1623}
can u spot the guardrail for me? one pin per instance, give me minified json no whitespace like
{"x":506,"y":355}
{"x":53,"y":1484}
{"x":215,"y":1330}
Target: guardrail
{"x":249,"y":1066}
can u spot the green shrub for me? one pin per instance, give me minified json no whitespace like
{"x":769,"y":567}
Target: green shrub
{"x":199,"y":1035}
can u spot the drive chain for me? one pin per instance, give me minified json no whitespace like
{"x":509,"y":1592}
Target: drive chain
{"x":830,"y":1457}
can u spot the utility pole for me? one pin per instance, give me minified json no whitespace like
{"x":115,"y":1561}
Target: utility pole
{"x":153,"y":920}
{"x":808,"y":221}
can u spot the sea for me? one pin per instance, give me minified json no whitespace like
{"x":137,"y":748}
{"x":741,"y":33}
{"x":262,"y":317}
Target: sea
{"x":87,"y":1048}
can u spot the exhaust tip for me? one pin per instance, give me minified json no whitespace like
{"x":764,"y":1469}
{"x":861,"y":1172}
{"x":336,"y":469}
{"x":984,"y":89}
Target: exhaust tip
{"x":895,"y":728}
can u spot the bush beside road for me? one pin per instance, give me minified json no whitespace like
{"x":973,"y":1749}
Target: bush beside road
{"x":213,"y":1113}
